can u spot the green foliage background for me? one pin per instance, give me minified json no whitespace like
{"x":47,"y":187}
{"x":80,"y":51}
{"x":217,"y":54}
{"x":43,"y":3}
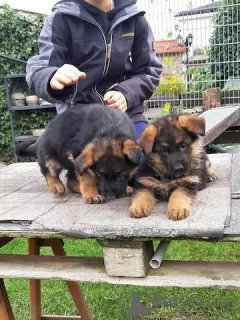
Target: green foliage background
{"x":19,"y":39}
{"x":224,"y":43}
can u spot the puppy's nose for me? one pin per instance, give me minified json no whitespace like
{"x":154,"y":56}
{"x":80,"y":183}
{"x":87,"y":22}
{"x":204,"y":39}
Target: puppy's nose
{"x":178,"y":168}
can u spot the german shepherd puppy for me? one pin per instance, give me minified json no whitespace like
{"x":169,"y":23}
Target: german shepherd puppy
{"x":175,"y":167}
{"x":96,"y":145}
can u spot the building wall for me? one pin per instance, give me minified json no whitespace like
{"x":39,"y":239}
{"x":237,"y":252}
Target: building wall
{"x":200,"y":26}
{"x":161,"y":16}
{"x":176,"y":68}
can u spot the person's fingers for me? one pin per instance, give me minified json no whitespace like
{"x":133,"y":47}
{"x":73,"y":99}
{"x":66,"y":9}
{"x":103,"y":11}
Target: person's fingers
{"x":82,"y":75}
{"x":72,"y":72}
{"x":123,"y":107}
{"x":63,"y":79}
{"x":113,"y":105}
{"x":108,"y":95}
{"x":115,"y":98}
{"x":73,"y":76}
{"x":55,"y":85}
{"x":65,"y":76}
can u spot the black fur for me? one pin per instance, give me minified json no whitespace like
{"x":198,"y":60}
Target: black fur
{"x":176,"y":158}
{"x":67,"y":136}
{"x":175,"y":161}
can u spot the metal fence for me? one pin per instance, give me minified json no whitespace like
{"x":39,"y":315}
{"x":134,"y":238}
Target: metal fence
{"x":198,"y":43}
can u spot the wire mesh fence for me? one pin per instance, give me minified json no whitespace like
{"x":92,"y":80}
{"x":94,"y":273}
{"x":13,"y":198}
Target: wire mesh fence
{"x":198,"y":43}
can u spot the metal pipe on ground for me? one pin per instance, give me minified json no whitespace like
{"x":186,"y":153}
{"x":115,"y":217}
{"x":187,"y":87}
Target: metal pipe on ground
{"x":158,"y":255}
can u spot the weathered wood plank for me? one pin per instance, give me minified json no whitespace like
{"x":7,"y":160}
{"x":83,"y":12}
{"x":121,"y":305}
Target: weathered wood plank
{"x":74,"y":288}
{"x":112,"y":221}
{"x":69,"y":217}
{"x":171,"y":274}
{"x":34,"y":285}
{"x":5,"y":307}
{"x":22,"y":231}
{"x":218,"y":120}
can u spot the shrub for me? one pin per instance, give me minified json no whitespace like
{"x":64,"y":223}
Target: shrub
{"x":170,"y":85}
{"x":19,"y":39}
{"x":224,"y":51}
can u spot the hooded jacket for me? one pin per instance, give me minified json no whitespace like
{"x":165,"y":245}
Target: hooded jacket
{"x":122,"y":59}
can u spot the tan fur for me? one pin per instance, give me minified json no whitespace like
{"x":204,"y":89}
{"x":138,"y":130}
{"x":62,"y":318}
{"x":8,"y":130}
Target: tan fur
{"x":142,"y":204}
{"x":196,"y":148}
{"x":88,"y":189}
{"x":74,"y":185}
{"x":147,"y":138}
{"x":129,"y":191}
{"x":157,"y":164}
{"x":179,"y":205}
{"x":55,"y":185}
{"x":192,"y":123}
{"x":154,"y":184}
{"x":54,"y":167}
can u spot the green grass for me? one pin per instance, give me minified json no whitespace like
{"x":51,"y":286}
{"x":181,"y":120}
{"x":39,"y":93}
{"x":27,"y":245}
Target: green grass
{"x":109,"y":302}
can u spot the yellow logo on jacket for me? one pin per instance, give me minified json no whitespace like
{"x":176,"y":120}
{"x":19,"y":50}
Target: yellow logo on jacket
{"x":129,"y":34}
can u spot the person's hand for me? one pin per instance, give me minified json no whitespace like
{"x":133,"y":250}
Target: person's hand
{"x":115,"y":99}
{"x":66,"y":76}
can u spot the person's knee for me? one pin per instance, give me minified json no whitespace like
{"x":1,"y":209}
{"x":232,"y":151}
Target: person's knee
{"x":139,"y":127}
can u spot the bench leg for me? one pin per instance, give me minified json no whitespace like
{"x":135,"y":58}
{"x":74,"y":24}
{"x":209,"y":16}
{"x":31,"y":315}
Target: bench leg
{"x":35,"y":285}
{"x":74,"y":288}
{"x":5,"y":307}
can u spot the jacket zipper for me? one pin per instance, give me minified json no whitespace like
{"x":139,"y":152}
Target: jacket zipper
{"x":74,"y":94}
{"x":108,"y":47}
{"x":109,"y":51}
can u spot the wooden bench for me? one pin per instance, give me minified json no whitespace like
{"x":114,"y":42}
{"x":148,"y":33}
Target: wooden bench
{"x":28,"y":210}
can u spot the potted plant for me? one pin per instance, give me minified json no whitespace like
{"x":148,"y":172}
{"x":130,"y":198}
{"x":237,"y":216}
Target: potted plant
{"x":18,"y":99}
{"x":168,"y":91}
{"x":32,"y":100}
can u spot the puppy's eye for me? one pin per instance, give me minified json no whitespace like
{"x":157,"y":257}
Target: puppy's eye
{"x":165,"y":150}
{"x":98,"y":174}
{"x":182,"y":146}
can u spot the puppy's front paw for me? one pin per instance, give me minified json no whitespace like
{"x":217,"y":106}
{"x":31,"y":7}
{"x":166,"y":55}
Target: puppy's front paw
{"x":179,"y":212}
{"x":97,"y":199}
{"x":212,"y":176}
{"x":55,"y":186}
{"x":129,"y":191}
{"x":140,"y":210}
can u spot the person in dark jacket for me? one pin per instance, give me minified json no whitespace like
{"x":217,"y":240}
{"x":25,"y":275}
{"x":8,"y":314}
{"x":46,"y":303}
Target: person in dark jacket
{"x":93,"y":51}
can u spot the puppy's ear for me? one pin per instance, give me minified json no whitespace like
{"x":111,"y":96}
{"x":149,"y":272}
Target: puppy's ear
{"x":85,"y":159}
{"x":132,"y":151}
{"x":147,"y":138}
{"x":192,"y":124}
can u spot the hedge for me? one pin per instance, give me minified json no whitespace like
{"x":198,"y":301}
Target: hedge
{"x":19,"y":39}
{"x":224,"y":43}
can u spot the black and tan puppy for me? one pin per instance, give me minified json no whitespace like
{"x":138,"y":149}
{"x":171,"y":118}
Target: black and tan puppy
{"x":175,"y":167}
{"x":96,"y":145}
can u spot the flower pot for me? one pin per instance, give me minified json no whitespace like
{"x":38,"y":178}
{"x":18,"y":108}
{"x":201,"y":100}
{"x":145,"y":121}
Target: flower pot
{"x":32,"y":100}
{"x":211,"y":98}
{"x":18,"y":99}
